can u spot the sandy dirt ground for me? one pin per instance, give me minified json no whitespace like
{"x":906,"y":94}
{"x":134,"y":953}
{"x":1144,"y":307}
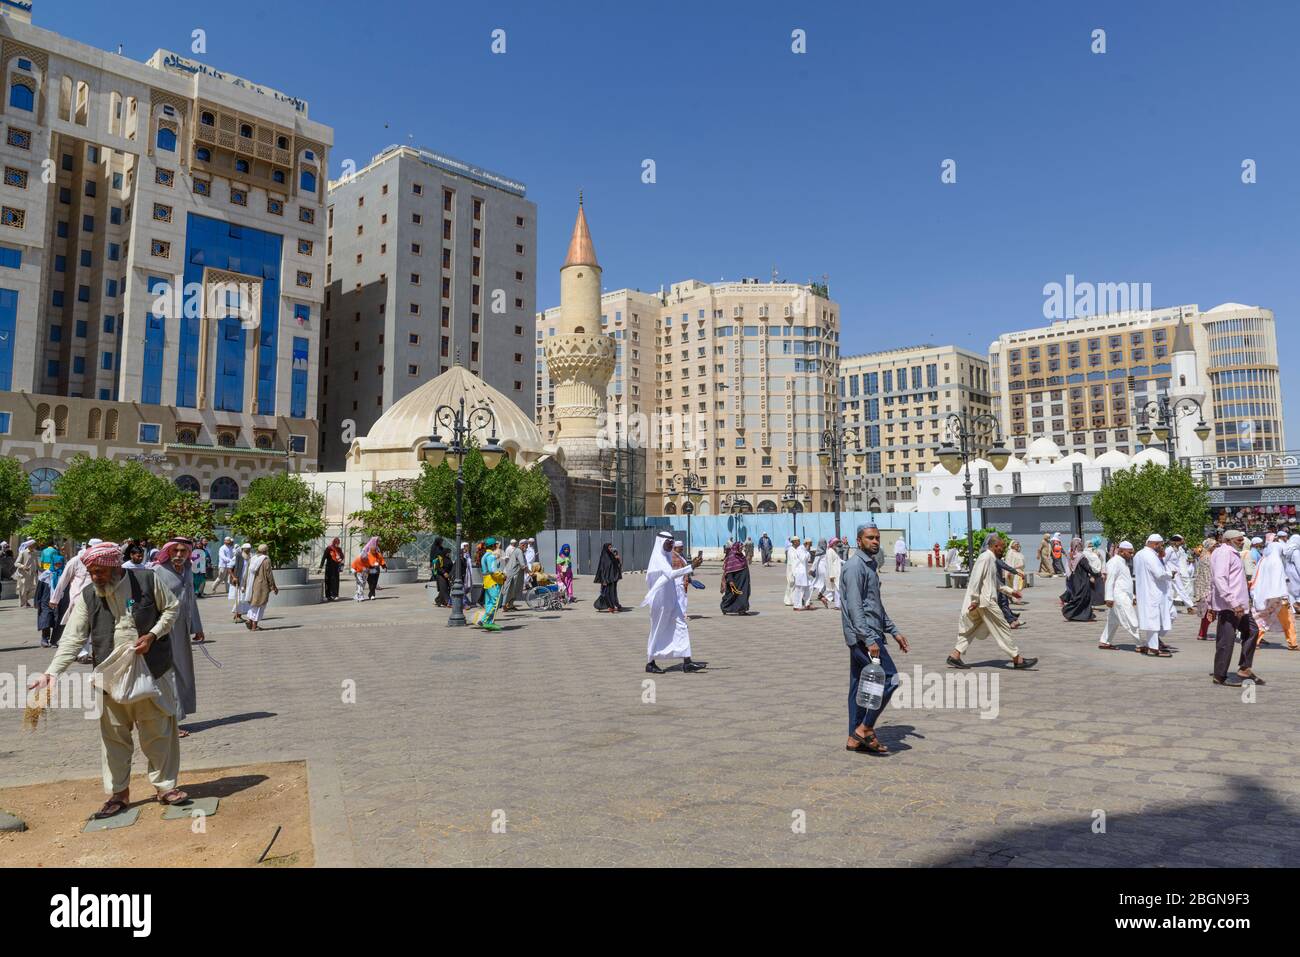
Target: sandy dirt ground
{"x":254,"y":799}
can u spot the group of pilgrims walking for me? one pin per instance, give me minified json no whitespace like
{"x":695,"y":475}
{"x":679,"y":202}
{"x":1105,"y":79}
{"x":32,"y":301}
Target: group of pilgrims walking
{"x":1245,"y":588}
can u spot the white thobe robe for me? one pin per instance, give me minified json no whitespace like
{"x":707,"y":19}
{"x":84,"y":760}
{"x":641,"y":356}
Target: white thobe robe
{"x":802,"y":580}
{"x":982,"y":591}
{"x":833,"y":563}
{"x":669,"y":635}
{"x":1153,"y":586}
{"x":820,"y":576}
{"x":1122,"y":614}
{"x":791,"y":559}
{"x":1176,"y":562}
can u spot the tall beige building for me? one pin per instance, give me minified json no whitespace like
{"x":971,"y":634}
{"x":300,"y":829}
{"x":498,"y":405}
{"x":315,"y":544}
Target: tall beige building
{"x":744,"y":383}
{"x":1082,"y":381}
{"x":896,"y":405}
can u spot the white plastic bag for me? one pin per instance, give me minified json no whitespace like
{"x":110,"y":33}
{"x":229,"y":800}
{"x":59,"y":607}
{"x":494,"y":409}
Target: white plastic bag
{"x":124,"y":676}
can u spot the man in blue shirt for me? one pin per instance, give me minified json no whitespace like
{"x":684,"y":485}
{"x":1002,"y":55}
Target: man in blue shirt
{"x":866,"y":626}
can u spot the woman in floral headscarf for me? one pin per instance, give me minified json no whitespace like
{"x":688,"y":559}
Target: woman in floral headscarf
{"x":564,"y":571}
{"x":735,"y":581}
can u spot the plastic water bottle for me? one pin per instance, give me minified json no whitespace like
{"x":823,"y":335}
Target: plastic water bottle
{"x":871,"y":686}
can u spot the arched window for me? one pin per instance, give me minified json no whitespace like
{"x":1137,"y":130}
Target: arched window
{"x":166,"y":139}
{"x":110,"y":424}
{"x":767,"y":505}
{"x":670,"y":508}
{"x":207,"y":119}
{"x":42,"y":415}
{"x":92,"y":426}
{"x":308,"y":181}
{"x":224,"y":489}
{"x":22,"y":98}
{"x":60,"y":420}
{"x":204,"y":154}
{"x":187,"y":483}
{"x":43,"y":481}
{"x":246,"y":131}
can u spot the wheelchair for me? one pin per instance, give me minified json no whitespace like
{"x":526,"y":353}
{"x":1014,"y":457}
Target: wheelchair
{"x":544,"y":598}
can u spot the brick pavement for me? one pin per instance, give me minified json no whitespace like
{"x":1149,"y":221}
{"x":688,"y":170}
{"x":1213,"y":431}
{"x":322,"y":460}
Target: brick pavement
{"x":544,"y":724}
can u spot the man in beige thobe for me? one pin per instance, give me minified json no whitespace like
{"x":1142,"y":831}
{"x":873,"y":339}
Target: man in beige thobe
{"x":980,"y":615}
{"x":152,"y":719}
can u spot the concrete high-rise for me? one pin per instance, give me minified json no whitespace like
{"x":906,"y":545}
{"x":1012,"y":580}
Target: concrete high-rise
{"x":432,"y":263}
{"x":896,"y":403}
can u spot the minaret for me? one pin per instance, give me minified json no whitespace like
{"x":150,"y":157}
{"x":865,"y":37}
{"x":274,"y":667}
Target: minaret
{"x":580,"y":358}
{"x":1185,"y":383}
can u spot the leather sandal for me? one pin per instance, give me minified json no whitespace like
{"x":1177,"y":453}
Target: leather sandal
{"x":174,"y":796}
{"x":112,"y":807}
{"x":869,"y":745}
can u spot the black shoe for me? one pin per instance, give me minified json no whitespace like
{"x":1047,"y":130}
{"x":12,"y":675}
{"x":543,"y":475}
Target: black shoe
{"x":691,"y":666}
{"x":1025,"y":663}
{"x":653,"y":669}
{"x":957,"y":663}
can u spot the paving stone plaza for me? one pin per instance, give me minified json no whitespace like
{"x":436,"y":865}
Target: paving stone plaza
{"x":543,"y":744}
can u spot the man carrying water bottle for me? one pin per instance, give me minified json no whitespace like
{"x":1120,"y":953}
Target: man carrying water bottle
{"x":866,"y":626}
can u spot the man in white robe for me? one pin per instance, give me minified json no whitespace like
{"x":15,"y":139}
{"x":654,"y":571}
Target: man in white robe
{"x":802,"y":579}
{"x":820,"y":576}
{"x":530,"y":553}
{"x":900,"y":554}
{"x":1180,"y":591}
{"x":1153,"y":585}
{"x":242,"y":581}
{"x":981,"y":615}
{"x":833,"y":565}
{"x":1120,"y":598}
{"x":791,"y":559}
{"x":669,"y":634}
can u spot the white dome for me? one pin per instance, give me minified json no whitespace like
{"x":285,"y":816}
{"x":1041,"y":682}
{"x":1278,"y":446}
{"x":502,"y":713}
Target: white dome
{"x":1151,"y":454}
{"x":1075,"y":457}
{"x":1043,"y":448}
{"x":976,"y":464}
{"x":1014,"y":465}
{"x":939,"y":470}
{"x":1114,"y":459}
{"x":1232,"y":307}
{"x":395,"y":440}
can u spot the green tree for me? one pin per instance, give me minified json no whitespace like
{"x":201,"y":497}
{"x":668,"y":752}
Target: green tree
{"x":393,"y":515}
{"x":186,"y":516}
{"x":103,"y":498}
{"x":1154,"y":498}
{"x":282,"y":512}
{"x":42,"y":527}
{"x":508,"y":500}
{"x":979,"y":537}
{"x":15,"y":493}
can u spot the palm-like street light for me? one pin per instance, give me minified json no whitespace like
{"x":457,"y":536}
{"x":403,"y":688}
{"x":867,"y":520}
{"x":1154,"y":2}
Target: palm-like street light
{"x":793,"y":498}
{"x":969,"y":431}
{"x":1159,"y":418}
{"x":461,"y":426}
{"x":691,"y":490}
{"x":835,"y":454}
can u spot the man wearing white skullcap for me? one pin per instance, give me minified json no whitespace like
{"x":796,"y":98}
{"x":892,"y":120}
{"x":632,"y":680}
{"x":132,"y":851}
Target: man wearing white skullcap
{"x":1155,"y":604}
{"x":791,"y":560}
{"x":1121,"y":601}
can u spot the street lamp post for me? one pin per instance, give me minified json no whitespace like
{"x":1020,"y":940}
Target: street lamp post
{"x":691,"y":491}
{"x":793,"y":497}
{"x":834,"y":455}
{"x":461,"y":426}
{"x":1159,"y":417}
{"x":968,"y":430}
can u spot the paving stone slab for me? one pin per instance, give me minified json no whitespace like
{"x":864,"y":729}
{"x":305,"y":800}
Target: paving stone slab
{"x":124,"y":819}
{"x":206,"y":806}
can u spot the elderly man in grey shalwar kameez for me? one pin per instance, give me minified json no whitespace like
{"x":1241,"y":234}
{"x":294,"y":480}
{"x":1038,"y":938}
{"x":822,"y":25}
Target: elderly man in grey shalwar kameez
{"x":174,"y":571}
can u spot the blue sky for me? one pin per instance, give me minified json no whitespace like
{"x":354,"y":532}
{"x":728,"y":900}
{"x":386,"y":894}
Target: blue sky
{"x":1119,"y":167}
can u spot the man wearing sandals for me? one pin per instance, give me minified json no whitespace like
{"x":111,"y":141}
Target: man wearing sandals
{"x":111,"y":613}
{"x":981,"y":613}
{"x":866,"y":626}
{"x":1153,"y":581}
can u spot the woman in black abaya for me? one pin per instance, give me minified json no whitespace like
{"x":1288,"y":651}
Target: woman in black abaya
{"x":735,"y":581}
{"x":608,"y":571}
{"x":1076,"y":601}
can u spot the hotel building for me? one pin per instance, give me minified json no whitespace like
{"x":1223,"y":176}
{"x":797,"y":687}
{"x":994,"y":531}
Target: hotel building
{"x":432,"y":263}
{"x":162,"y":264}
{"x":1083,"y":382}
{"x":896,"y":405}
{"x":732,"y":382}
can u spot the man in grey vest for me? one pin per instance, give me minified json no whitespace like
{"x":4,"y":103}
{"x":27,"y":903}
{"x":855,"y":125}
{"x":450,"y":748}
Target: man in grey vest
{"x":127,"y":606}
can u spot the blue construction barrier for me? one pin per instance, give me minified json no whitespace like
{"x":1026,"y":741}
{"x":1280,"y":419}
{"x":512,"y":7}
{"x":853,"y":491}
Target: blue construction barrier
{"x":920,"y":529}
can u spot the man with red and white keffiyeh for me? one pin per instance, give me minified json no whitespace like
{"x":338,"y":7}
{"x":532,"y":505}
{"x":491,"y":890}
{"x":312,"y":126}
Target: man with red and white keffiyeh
{"x":127,"y":607}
